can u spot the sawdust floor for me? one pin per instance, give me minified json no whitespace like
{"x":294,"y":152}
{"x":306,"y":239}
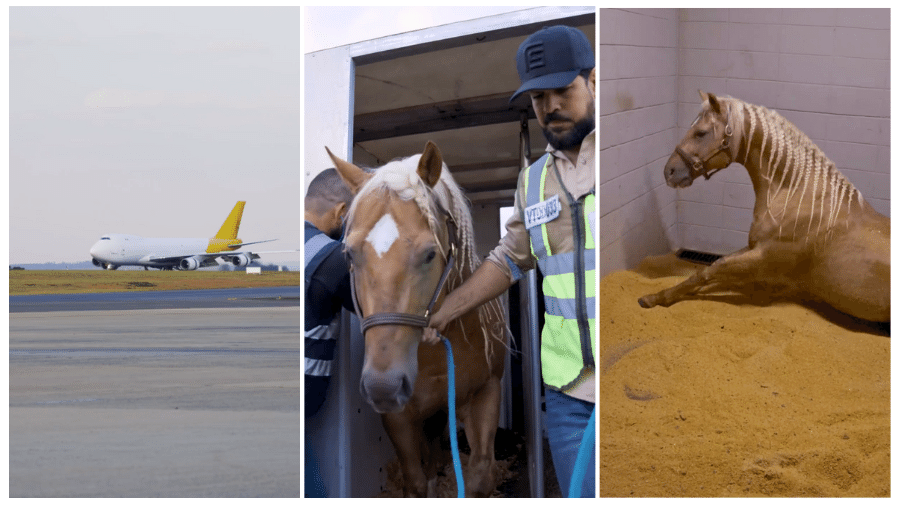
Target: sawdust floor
{"x":715,"y":398}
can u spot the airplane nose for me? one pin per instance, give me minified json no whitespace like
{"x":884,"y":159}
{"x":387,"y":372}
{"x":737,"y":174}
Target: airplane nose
{"x":98,"y":250}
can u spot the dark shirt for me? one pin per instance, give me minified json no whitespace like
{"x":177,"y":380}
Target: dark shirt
{"x":329,"y":287}
{"x":327,"y":290}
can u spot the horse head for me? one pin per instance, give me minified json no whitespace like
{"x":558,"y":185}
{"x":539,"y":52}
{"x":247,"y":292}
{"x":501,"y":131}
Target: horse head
{"x":394,"y":247}
{"x":706,"y":147}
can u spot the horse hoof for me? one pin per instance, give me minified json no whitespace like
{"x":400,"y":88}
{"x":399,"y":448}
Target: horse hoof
{"x":645,"y":303}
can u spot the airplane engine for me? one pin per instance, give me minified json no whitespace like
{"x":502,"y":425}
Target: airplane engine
{"x":241,"y":260}
{"x":104,"y":265}
{"x":189,"y":263}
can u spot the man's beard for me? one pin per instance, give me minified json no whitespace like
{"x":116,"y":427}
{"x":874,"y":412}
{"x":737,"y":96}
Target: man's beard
{"x":571,"y":139}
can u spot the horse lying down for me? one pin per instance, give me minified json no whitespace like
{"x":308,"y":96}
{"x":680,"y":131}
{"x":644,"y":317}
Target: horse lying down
{"x":813,"y":234}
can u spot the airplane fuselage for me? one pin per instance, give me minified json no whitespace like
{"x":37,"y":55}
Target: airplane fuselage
{"x":115,"y":250}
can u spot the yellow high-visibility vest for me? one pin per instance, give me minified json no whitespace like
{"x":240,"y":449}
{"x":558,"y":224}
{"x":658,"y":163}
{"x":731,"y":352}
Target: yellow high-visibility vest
{"x":567,"y":345}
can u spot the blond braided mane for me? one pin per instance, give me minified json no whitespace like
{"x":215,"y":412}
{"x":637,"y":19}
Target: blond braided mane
{"x":400,"y":178}
{"x":790,"y":162}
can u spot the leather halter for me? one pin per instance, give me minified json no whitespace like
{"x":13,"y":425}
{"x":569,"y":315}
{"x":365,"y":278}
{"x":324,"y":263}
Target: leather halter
{"x":697,"y":164}
{"x":408,"y":319}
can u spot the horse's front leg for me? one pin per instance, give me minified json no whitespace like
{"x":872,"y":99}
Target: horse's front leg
{"x":407,"y":438}
{"x":730,"y":272}
{"x":481,"y":415}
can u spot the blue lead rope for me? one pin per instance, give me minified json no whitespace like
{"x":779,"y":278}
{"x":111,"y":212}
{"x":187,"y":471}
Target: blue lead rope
{"x":584,"y":455}
{"x":581,"y":461}
{"x":451,"y":402}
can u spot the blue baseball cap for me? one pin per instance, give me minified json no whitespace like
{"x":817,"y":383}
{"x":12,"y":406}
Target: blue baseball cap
{"x":551,"y":58}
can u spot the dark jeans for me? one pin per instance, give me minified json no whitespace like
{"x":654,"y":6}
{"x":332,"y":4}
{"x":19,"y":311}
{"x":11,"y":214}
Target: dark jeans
{"x":567,"y":418}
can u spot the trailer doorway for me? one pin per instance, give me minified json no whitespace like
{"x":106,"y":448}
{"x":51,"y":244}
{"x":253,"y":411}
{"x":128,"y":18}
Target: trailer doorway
{"x":451,"y":85}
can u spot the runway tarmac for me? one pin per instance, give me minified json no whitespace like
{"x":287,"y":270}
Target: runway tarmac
{"x":188,"y":402}
{"x":282,"y":296}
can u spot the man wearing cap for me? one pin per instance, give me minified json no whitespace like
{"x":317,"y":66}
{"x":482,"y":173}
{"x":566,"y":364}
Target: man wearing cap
{"x":553,"y":229}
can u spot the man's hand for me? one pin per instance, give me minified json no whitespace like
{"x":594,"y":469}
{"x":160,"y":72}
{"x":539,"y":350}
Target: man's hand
{"x":430,"y":336}
{"x":437,"y":324}
{"x":487,"y":282}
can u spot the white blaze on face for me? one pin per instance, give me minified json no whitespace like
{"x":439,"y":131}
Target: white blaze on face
{"x":383,"y":234}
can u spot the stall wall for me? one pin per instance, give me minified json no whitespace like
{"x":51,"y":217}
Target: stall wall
{"x":826,"y":70}
{"x":637,"y":88}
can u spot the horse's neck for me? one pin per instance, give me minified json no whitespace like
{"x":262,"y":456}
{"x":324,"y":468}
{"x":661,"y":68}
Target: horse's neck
{"x":749,"y":154}
{"x":786,"y":168}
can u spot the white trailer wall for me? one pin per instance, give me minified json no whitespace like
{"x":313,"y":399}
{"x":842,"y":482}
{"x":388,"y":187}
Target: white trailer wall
{"x":345,"y":420}
{"x":826,"y":70}
{"x":328,"y":107}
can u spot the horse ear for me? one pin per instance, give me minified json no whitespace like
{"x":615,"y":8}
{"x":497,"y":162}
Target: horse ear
{"x":431,"y":164}
{"x":714,"y":104}
{"x":351,"y":174}
{"x":713,"y":101}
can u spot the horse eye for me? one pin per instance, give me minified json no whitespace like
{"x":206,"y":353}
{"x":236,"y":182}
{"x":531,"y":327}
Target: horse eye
{"x":699,"y":134}
{"x":430,"y":257}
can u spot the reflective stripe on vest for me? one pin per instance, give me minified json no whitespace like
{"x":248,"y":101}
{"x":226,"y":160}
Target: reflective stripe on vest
{"x":320,"y":341}
{"x":317,"y":367}
{"x":316,"y":247}
{"x":567,"y":343}
{"x":558,"y":269}
{"x":319,"y":348}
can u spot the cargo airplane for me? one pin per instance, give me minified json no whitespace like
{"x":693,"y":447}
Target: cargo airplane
{"x":115,"y":250}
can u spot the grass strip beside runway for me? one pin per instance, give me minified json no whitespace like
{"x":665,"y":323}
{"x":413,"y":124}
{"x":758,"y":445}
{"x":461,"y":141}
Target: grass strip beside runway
{"x":25,"y":282}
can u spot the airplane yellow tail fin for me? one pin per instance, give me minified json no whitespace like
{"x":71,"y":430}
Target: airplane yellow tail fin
{"x":229,"y":229}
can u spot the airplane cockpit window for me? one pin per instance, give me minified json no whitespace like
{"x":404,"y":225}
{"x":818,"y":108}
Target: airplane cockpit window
{"x":104,"y":238}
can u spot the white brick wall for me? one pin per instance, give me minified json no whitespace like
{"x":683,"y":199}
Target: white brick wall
{"x":826,"y":70}
{"x":637,"y":95}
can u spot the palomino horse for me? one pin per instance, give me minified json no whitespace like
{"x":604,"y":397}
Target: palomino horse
{"x":813,"y":234}
{"x":408,"y":219}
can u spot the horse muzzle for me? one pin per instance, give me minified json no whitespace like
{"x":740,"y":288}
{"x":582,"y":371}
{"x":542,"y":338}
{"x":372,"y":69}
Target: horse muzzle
{"x":386,"y":392}
{"x":389,"y":371}
{"x":677,"y":173}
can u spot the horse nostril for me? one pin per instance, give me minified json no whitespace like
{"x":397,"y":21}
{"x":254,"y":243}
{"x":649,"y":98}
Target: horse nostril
{"x":406,"y":388}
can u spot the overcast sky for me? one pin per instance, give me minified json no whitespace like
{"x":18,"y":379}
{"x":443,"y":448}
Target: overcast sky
{"x":151,"y":121}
